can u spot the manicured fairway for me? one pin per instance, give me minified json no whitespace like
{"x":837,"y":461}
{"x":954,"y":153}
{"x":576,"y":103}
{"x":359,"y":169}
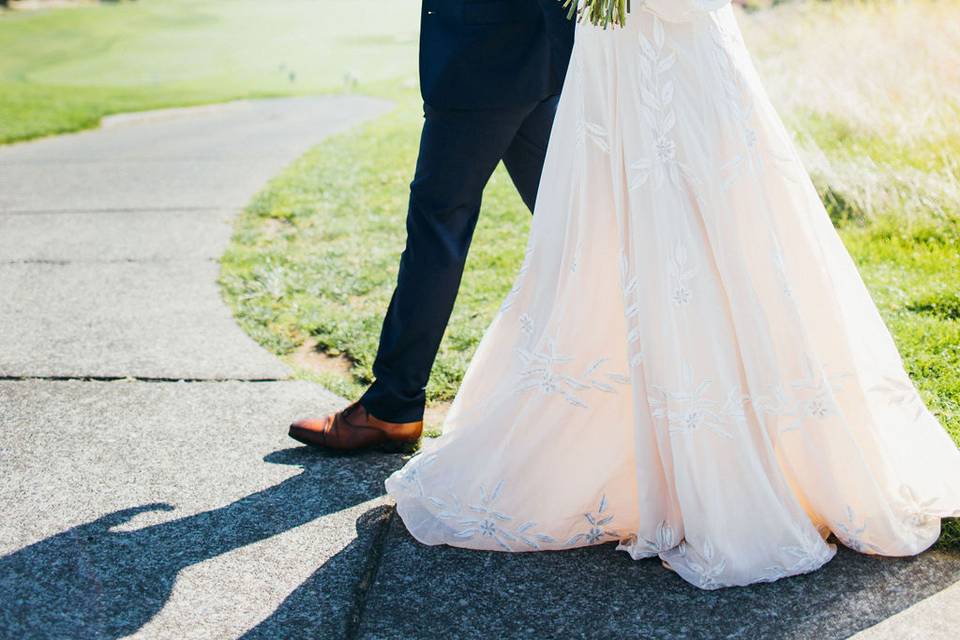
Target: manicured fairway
{"x":63,"y":69}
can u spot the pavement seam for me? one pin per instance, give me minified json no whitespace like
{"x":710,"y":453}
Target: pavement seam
{"x":368,"y":576}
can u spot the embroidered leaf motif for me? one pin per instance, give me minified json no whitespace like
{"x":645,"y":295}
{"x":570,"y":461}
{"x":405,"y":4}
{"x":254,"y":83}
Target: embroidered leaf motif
{"x":597,"y":530}
{"x":543,"y":371}
{"x":901,"y":392}
{"x":599,"y":135}
{"x":691,"y":410}
{"x":490,"y":522}
{"x":810,"y":399}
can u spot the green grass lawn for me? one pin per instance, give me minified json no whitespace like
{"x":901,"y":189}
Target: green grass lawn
{"x":63,"y":69}
{"x":314,"y":257}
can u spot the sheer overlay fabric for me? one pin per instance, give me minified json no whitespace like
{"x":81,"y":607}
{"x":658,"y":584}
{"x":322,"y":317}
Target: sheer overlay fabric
{"x":688,"y":363}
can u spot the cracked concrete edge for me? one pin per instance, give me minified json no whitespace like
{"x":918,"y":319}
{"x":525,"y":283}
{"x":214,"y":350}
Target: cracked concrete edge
{"x":371,"y":568}
{"x":935,"y":618}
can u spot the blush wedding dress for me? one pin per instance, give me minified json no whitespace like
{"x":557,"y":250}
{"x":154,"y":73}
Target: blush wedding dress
{"x":688,"y":363}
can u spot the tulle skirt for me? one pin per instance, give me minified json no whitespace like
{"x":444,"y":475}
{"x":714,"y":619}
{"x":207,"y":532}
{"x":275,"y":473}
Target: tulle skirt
{"x":688,"y":363}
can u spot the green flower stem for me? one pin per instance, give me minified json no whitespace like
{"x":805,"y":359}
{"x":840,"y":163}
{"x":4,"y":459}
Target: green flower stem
{"x":601,"y":13}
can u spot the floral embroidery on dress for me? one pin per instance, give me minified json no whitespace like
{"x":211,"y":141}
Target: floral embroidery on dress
{"x":708,"y":567}
{"x":690,"y":409}
{"x":581,"y":129}
{"x":543,"y":373}
{"x":851,"y":533}
{"x":410,"y":474}
{"x":666,"y":538}
{"x":780,"y":269}
{"x":812,"y":398}
{"x":526,"y":324}
{"x":680,"y":276}
{"x":808,"y":555}
{"x":518,"y":281}
{"x":918,"y":513}
{"x":575,"y":262}
{"x":900,"y":392}
{"x":587,"y":130}
{"x":656,"y":94}
{"x":740,"y":103}
{"x":630,"y":287}
{"x":598,"y":135}
{"x":490,"y":522}
{"x":631,"y":300}
{"x":597,"y":522}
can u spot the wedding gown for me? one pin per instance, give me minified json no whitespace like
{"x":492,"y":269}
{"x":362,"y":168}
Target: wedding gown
{"x":688,"y":362}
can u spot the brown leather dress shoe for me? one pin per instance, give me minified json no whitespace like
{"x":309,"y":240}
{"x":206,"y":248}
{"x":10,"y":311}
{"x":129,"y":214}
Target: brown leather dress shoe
{"x":353,"y":428}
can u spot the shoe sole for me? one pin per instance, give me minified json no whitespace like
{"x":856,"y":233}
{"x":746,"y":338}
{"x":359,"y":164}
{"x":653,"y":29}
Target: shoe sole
{"x":390,"y":446}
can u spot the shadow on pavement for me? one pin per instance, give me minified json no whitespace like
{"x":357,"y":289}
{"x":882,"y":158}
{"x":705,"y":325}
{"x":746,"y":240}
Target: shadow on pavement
{"x":310,"y":611}
{"x":598,"y":592}
{"x":90,"y":581}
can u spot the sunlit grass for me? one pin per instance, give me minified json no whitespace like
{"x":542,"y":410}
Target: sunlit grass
{"x":872,"y":90}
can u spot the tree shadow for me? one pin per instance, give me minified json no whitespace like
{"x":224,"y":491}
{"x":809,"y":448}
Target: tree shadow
{"x":94,"y":582}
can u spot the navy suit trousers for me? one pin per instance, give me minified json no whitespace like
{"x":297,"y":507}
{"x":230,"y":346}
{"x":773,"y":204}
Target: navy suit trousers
{"x":459,"y":150}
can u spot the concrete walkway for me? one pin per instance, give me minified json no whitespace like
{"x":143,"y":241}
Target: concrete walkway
{"x":137,"y":505}
{"x":132,"y":504}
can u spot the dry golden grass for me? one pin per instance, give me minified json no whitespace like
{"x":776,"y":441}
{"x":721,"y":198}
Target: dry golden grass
{"x":873,"y":91}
